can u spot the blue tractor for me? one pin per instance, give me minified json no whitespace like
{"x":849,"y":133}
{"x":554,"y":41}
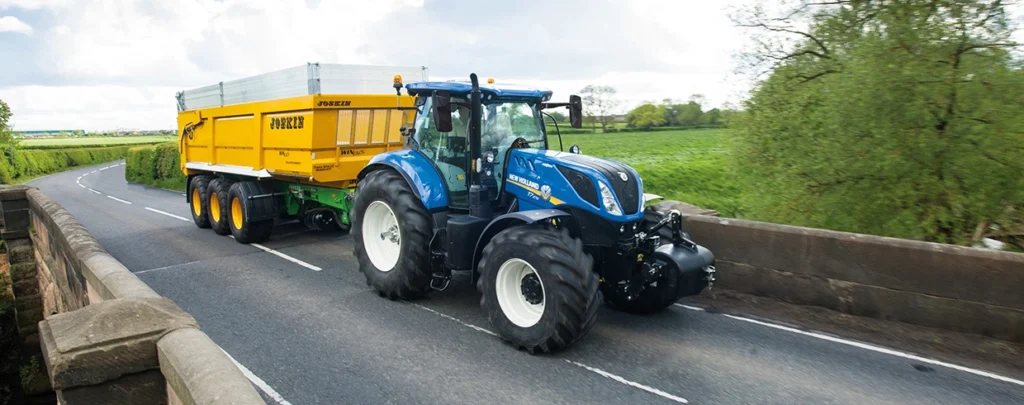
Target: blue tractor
{"x":546,"y":235}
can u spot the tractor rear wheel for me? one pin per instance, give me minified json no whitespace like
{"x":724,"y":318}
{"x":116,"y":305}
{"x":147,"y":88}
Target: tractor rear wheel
{"x":392,"y":233}
{"x":220,"y":205}
{"x":199,"y":205}
{"x":539,"y":289}
{"x":656,"y":296}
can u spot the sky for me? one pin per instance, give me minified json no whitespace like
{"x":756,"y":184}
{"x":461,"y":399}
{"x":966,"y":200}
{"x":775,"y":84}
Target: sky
{"x":117,"y":64}
{"x":110,"y":64}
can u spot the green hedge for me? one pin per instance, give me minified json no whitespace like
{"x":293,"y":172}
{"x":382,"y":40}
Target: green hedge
{"x":158,"y":166}
{"x":31,"y":163}
{"x":86,"y":146}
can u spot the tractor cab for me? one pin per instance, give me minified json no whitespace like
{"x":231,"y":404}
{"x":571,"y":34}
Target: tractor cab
{"x":511,"y":116}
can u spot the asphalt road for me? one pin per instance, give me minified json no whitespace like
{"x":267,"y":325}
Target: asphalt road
{"x":310,"y":331}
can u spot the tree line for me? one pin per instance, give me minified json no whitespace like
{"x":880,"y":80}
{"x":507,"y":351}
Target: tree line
{"x":897,"y":118}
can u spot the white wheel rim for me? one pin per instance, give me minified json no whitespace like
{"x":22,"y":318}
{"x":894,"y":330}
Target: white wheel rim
{"x":382,"y":237}
{"x":511,"y":299}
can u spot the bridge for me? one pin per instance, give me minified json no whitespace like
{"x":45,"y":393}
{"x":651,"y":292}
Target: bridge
{"x":125,"y":301}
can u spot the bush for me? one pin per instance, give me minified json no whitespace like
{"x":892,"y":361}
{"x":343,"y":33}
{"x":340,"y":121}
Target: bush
{"x":158,"y":166}
{"x":30,"y":163}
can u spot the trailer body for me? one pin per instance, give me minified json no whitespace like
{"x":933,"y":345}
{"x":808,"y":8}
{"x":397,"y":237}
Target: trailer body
{"x":301,"y":145}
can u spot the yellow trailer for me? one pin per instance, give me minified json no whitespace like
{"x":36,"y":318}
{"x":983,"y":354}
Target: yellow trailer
{"x":316,"y":139}
{"x":269,"y":146}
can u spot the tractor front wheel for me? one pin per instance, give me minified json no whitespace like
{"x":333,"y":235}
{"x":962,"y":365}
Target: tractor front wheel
{"x":539,"y":289}
{"x":392,"y":233}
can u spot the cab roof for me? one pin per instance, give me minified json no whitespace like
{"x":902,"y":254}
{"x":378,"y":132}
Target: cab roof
{"x":464,"y":87}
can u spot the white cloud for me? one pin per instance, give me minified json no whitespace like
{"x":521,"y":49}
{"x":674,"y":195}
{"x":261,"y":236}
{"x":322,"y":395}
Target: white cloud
{"x":13,"y":24}
{"x":105,"y":64}
{"x":31,"y":4}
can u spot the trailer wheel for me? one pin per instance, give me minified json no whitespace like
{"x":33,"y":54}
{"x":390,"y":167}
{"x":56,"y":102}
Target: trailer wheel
{"x":242,"y":228}
{"x":220,"y":205}
{"x":199,"y":191}
{"x":392,"y":232}
{"x":539,"y":289}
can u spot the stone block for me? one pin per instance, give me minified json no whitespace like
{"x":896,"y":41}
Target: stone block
{"x":199,"y":372}
{"x":8,"y":234}
{"x":14,"y":205}
{"x":26,"y":287}
{"x":28,"y":319}
{"x":140,"y":388}
{"x":21,"y":271}
{"x":27,"y":302}
{"x":104,"y":341}
{"x":12,"y":193}
{"x":16,"y":220}
{"x":20,"y":254}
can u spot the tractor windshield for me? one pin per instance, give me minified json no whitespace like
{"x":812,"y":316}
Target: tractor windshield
{"x":501,"y":123}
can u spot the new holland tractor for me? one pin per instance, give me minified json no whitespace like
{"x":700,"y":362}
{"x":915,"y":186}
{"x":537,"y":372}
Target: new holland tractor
{"x":546,"y":235}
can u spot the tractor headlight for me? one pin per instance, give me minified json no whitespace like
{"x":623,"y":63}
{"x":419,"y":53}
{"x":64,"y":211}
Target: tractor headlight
{"x":608,"y":199}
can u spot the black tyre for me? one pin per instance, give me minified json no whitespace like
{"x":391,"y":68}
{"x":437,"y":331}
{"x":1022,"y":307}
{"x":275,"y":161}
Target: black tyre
{"x":242,"y":227}
{"x":392,"y":232}
{"x":524,"y":260}
{"x":199,"y":191}
{"x":656,"y":296}
{"x":220,"y":205}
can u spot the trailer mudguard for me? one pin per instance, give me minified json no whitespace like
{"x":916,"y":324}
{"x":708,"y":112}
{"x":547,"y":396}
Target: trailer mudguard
{"x":422,"y":176}
{"x":514,"y":219}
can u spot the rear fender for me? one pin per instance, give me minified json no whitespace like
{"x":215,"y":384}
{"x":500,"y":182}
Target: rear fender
{"x":417,"y":170}
{"x":516,"y":219}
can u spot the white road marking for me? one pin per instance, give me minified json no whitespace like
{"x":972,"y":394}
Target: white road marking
{"x":258,"y":382}
{"x":97,"y":192}
{"x":168,"y":214}
{"x":597,"y":371}
{"x":881,"y":350}
{"x":166,"y":267}
{"x":452,"y":318}
{"x":118,"y":199}
{"x":690,"y":307}
{"x":104,"y":168}
{"x":286,"y":257}
{"x":652,"y":390}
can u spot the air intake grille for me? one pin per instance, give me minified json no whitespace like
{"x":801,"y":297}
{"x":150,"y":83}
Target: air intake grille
{"x":583,"y":185}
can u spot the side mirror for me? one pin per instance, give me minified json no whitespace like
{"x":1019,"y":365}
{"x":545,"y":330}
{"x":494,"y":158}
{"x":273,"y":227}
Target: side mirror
{"x":441,"y":109}
{"x":575,"y":111}
{"x":575,"y":149}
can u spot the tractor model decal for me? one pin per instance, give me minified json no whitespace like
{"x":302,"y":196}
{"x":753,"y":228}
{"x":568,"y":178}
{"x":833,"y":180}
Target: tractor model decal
{"x":532,"y":188}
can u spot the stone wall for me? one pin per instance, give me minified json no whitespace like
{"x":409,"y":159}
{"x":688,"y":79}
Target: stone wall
{"x":950,"y":287}
{"x":98,"y":334}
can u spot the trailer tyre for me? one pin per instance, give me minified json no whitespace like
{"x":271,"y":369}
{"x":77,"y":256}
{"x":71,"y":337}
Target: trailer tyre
{"x":392,"y":231}
{"x":199,"y":206}
{"x":538,"y":288}
{"x":242,"y":227}
{"x":220,"y":205}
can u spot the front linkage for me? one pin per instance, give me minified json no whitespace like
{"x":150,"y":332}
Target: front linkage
{"x":652,"y":266}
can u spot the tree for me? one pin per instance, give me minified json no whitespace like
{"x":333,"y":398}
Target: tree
{"x":688,"y":114}
{"x":6,"y":138}
{"x":559,"y":117}
{"x":600,"y":104}
{"x":903,"y":118}
{"x":646,"y":116}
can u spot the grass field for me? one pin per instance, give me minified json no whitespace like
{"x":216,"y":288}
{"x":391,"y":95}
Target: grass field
{"x":96,"y":141}
{"x":686,"y":165}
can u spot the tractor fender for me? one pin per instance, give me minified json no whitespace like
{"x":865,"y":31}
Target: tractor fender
{"x":422,"y":176}
{"x":516,"y":219}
